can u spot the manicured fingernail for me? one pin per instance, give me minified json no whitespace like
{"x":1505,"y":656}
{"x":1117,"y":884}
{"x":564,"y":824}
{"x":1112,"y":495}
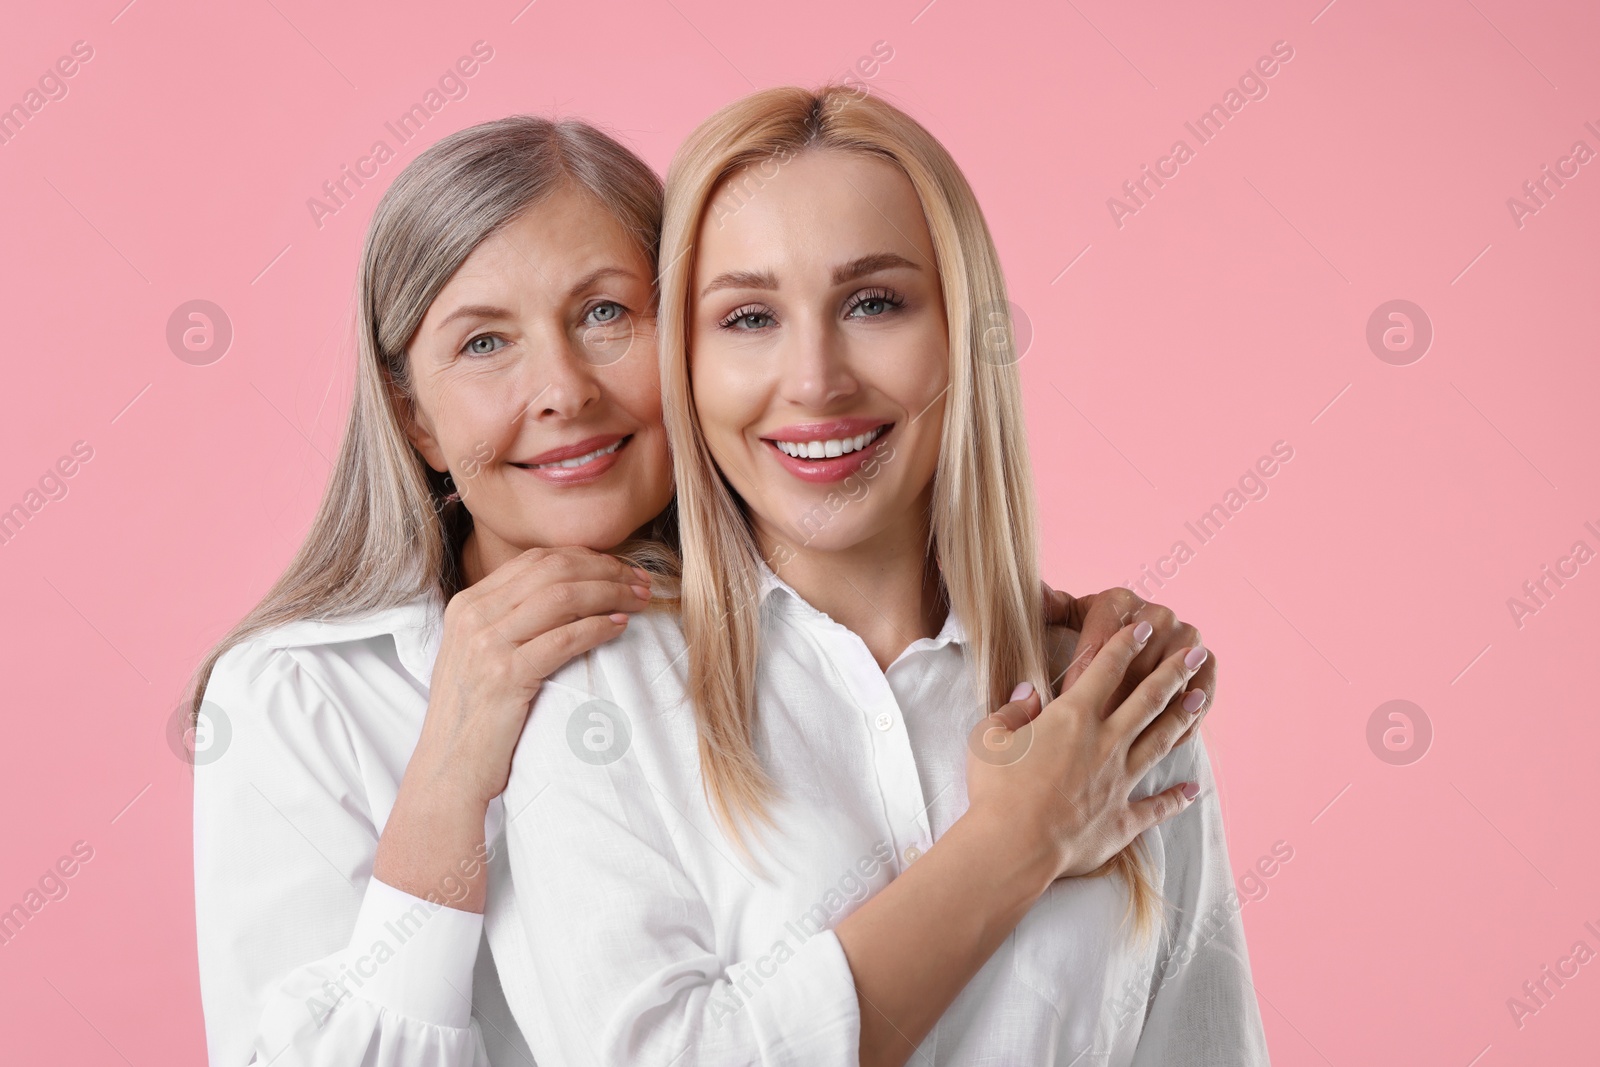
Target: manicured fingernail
{"x":642,"y":592}
{"x":641,"y":572}
{"x":1195,"y":657}
{"x":1142,"y":632}
{"x":1022,"y":692}
{"x":1193,"y":701}
{"x":1190,"y":790}
{"x":618,"y":617}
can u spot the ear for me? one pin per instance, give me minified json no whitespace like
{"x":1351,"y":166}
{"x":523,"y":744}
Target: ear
{"x":419,"y":429}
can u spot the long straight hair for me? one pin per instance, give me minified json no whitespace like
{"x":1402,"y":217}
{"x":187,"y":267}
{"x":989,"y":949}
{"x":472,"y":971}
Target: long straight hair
{"x":983,"y":485}
{"x":389,"y":529}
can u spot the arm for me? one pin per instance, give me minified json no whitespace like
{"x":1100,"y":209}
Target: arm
{"x":288,"y":919}
{"x":1202,"y":1008}
{"x":632,"y":973}
{"x":502,"y":637}
{"x":1063,"y":811}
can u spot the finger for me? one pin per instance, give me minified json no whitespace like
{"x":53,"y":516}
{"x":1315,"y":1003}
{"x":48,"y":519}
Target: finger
{"x":1022,"y":709}
{"x":1157,"y":808}
{"x":552,"y":650}
{"x":1096,"y":682}
{"x":1107,"y":612}
{"x":1206,"y":681}
{"x":1170,"y":634}
{"x":524,"y":577}
{"x":1155,"y":692}
{"x":1169,"y":730}
{"x":558,"y":605}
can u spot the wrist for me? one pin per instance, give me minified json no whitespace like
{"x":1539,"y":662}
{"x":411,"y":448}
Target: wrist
{"x":1021,"y":865}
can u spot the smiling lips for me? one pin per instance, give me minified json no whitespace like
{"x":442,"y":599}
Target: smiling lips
{"x":579,"y":463}
{"x":826,"y":451}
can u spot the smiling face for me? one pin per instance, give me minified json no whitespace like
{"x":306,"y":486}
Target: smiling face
{"x":819,"y":352}
{"x":535,"y":384}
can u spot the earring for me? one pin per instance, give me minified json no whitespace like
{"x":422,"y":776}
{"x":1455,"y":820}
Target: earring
{"x":452,"y":494}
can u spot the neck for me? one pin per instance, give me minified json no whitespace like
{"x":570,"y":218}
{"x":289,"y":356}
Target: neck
{"x":885,"y":590}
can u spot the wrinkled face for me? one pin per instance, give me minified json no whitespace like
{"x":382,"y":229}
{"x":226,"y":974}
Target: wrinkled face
{"x":536,"y":386}
{"x":819,"y":352}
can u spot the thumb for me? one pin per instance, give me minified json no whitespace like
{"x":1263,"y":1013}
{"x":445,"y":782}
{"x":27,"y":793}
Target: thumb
{"x":1023,"y":707}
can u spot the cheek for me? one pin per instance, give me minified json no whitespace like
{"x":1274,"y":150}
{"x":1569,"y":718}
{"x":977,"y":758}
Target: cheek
{"x":729,"y":393}
{"x":472,"y":422}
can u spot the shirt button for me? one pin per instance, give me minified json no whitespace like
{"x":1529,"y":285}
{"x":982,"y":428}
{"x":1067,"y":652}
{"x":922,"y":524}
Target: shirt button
{"x":912,"y":854}
{"x":884,"y":720}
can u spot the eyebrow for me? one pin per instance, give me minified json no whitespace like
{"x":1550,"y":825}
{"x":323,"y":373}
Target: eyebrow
{"x":490,"y":311}
{"x":474,"y":311}
{"x":865,"y":265}
{"x":848,"y":272}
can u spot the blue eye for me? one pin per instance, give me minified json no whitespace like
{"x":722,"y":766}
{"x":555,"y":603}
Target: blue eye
{"x":483,"y":345}
{"x":872,"y":303}
{"x":747,"y":318}
{"x":604,"y":314}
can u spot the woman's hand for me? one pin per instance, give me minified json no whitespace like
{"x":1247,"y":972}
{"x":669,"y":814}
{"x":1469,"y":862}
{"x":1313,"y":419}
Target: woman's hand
{"x":503,"y":636}
{"x":1080,"y":626}
{"x":1062,"y":775}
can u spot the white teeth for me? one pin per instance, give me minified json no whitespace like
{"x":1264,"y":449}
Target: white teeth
{"x":581,"y":460}
{"x":828,"y":449}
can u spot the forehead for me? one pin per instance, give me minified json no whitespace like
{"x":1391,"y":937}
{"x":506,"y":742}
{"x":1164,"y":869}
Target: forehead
{"x":566,"y":235}
{"x":822,"y":207}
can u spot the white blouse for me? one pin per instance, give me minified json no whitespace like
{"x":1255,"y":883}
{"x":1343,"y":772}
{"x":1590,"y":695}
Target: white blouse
{"x":305,"y":958}
{"x":639,"y":934}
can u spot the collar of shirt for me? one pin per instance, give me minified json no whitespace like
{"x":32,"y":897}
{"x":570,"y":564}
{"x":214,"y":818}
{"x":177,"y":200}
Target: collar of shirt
{"x":952,"y":632}
{"x":416,"y":626}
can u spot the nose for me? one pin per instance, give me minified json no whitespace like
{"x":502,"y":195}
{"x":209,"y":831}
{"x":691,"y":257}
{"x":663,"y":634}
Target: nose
{"x":815,"y":367}
{"x":562,"y":382}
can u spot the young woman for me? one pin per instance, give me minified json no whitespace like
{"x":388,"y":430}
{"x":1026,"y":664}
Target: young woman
{"x":760,"y":830}
{"x":507,"y":404}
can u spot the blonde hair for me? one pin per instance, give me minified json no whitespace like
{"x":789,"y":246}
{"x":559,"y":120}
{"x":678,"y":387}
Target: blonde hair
{"x":388,"y":528}
{"x":983,"y":495}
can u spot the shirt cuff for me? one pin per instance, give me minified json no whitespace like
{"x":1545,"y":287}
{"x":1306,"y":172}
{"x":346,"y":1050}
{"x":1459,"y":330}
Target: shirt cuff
{"x":414,"y":957}
{"x":808,"y":1012}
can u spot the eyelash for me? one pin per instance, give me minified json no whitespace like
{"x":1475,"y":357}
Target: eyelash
{"x":887,"y":296}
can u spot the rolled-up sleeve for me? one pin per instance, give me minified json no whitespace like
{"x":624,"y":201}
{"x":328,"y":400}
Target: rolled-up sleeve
{"x":623,"y":942}
{"x":1202,"y":1010}
{"x":306,"y":959}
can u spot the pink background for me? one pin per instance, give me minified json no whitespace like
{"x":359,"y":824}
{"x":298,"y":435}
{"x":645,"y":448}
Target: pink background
{"x":1169,"y":353}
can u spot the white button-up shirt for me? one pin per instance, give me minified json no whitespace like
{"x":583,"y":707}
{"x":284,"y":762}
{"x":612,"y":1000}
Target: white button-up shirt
{"x":305,"y":958}
{"x":639,"y":934}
